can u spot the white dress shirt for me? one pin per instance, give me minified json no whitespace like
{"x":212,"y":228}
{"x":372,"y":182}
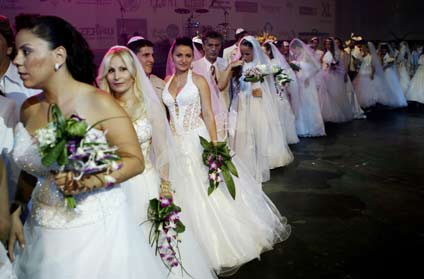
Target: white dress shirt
{"x":12,"y":86}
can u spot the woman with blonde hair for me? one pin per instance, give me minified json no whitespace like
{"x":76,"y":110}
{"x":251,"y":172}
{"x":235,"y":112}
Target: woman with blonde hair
{"x":122,"y":75}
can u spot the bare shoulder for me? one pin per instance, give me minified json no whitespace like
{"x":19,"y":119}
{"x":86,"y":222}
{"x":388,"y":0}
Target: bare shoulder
{"x":30,"y":106}
{"x":96,"y":104}
{"x":199,"y":80}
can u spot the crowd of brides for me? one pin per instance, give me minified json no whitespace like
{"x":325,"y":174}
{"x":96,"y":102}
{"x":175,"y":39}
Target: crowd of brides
{"x":155,"y":125}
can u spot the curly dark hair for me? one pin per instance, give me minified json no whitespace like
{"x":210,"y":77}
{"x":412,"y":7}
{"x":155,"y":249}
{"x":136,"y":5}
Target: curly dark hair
{"x":58,"y":32}
{"x":7,"y":32}
{"x":137,"y":45}
{"x":267,"y":46}
{"x":182,"y":41}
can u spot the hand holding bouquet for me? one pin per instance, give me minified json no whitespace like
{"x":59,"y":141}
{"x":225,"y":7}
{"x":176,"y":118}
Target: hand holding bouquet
{"x":165,"y":230}
{"x":218,"y":159}
{"x":77,"y":148}
{"x":281,"y":78}
{"x":256,"y":74}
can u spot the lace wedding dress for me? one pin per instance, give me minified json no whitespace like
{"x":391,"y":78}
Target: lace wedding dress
{"x":231,"y":232}
{"x":97,"y":240}
{"x":141,"y":189}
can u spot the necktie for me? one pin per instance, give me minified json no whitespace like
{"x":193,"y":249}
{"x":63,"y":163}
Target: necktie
{"x":213,"y":74}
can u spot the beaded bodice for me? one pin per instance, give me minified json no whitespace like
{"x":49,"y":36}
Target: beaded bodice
{"x":143,"y":128}
{"x":48,"y":206}
{"x":366,"y":65}
{"x":185,"y":109}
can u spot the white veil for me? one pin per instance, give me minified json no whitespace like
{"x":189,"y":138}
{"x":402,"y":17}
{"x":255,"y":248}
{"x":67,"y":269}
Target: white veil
{"x":270,"y":140}
{"x":163,"y":147}
{"x":375,"y":61}
{"x":304,"y":53}
{"x":293,"y":86}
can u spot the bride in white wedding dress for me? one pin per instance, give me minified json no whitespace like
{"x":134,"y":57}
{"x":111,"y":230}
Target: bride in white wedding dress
{"x":231,"y":232}
{"x":97,"y":239}
{"x":309,"y":121}
{"x":258,"y":136}
{"x":121,"y":74}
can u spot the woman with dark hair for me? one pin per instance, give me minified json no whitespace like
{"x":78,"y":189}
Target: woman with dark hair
{"x":334,"y":102}
{"x":97,"y":239}
{"x":309,"y":121}
{"x":231,"y":232}
{"x":394,"y":97}
{"x":258,"y":136}
{"x":286,"y":94}
{"x":358,"y":113}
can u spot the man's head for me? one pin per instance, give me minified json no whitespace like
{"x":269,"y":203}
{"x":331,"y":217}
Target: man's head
{"x":314,"y":42}
{"x":7,"y":40}
{"x":212,"y":44}
{"x":145,"y":53}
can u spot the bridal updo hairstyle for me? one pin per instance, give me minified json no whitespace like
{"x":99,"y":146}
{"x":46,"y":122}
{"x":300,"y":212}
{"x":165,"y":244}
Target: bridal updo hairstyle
{"x":57,"y":32}
{"x":183,"y":41}
{"x":268,"y":49}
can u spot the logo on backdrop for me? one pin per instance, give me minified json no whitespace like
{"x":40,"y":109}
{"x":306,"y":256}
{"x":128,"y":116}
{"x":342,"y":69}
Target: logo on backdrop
{"x":159,"y":4}
{"x":326,"y":12}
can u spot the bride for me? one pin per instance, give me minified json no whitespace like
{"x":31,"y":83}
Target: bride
{"x":257,"y":136}
{"x":97,"y":239}
{"x":335,"y":104}
{"x":231,"y":232}
{"x":121,"y":74}
{"x":289,"y":93}
{"x":309,"y":122}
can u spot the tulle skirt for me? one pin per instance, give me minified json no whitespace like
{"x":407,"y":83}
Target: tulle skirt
{"x":404,"y":78}
{"x":334,"y":102}
{"x":367,"y":89}
{"x":394,"y":97}
{"x":6,"y":270}
{"x":231,"y":232}
{"x":139,"y":191}
{"x":309,"y":122}
{"x":258,"y":141}
{"x":110,"y":247}
{"x":287,"y":119}
{"x":416,"y":88}
{"x":357,"y":111}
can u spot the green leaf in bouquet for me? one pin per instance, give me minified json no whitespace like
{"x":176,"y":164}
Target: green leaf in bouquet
{"x":295,"y":67}
{"x":54,"y":153}
{"x":230,"y":183}
{"x":251,"y":79}
{"x":77,"y":128}
{"x":210,"y":190}
{"x":232,"y":168}
{"x":63,"y":157}
{"x":57,"y":115}
{"x":205,"y":144}
{"x":180,"y":227}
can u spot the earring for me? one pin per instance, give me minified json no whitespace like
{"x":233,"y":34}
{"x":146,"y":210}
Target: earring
{"x":57,"y":67}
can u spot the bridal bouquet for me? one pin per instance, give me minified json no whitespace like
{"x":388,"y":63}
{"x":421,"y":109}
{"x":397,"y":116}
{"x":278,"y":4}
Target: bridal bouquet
{"x":166,"y":227}
{"x":76,"y":147}
{"x":294,"y":66}
{"x":280,"y":76}
{"x":388,"y":61}
{"x":256,"y":73}
{"x":218,"y":159}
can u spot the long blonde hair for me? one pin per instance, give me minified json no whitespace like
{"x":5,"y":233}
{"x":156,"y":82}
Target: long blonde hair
{"x":125,"y":54}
